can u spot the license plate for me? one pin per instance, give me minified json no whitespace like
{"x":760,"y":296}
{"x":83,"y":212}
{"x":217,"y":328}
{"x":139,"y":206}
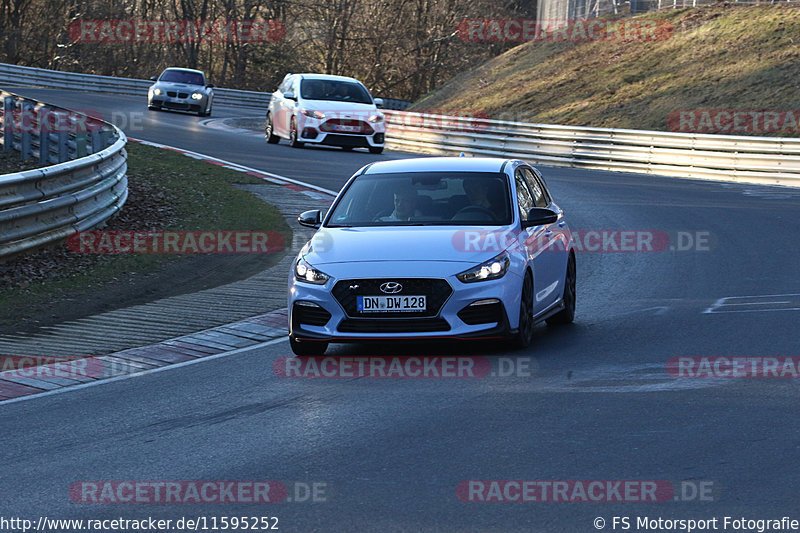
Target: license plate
{"x":390,"y":304}
{"x":348,"y":129}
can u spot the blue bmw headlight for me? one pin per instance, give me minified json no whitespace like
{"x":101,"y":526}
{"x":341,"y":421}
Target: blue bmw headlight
{"x":306,"y":273}
{"x":494,"y":268}
{"x":197,"y":96}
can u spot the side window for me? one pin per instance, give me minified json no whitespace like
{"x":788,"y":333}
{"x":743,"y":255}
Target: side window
{"x":540,"y":196}
{"x":525,"y":199}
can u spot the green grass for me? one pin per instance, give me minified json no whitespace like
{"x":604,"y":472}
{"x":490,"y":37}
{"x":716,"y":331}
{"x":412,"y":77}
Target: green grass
{"x":168,"y":191}
{"x":743,"y":58}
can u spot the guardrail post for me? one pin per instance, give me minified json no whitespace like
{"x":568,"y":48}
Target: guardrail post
{"x":44,"y":143}
{"x":63,"y":146}
{"x":81,"y":145}
{"x":25,"y":132}
{"x":99,"y":140}
{"x":8,"y":124}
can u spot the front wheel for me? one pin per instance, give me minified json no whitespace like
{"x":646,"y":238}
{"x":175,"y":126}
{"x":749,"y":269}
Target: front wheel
{"x":307,"y":348}
{"x":524,"y":335}
{"x":376,"y":149}
{"x":567,"y":315}
{"x":269,"y":132}
{"x":293,"y":142}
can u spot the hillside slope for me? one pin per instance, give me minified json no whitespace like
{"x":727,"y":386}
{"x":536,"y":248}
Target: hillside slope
{"x":719,"y":58}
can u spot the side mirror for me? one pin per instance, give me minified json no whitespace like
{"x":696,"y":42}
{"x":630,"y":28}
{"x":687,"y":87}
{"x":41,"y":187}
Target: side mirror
{"x":539,"y":216}
{"x":153,"y":78}
{"x":310,"y":219}
{"x":210,"y":85}
{"x":290,"y":96}
{"x":379,"y":103}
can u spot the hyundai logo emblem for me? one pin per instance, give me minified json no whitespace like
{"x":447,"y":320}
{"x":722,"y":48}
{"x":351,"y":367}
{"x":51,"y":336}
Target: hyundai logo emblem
{"x":391,"y":287}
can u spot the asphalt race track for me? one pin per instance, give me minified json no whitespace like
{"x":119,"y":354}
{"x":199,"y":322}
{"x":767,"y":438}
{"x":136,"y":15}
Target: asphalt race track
{"x":596,"y":401}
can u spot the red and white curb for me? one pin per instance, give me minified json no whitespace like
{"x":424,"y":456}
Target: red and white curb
{"x":214,"y":342}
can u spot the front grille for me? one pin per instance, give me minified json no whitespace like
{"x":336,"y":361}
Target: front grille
{"x":436,"y":291}
{"x":362,"y":128}
{"x":173,"y":94}
{"x":393,"y":325}
{"x":482,"y":314}
{"x":309,"y":315}
{"x":356,"y":141}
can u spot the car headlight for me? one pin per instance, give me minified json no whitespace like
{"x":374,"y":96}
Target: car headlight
{"x":319,"y":115}
{"x":197,"y":96}
{"x":494,"y":268}
{"x":376,"y":118}
{"x":157,"y":91}
{"x":305,"y":272}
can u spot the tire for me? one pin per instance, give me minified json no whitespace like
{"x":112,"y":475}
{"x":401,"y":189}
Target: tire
{"x":567,"y":315}
{"x":524,"y":335}
{"x":206,"y":113}
{"x":376,"y":149}
{"x":307,"y":348}
{"x":269,"y":132}
{"x":293,"y":142}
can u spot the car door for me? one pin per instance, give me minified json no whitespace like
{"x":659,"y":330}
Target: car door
{"x":539,"y":242}
{"x":283,"y":106}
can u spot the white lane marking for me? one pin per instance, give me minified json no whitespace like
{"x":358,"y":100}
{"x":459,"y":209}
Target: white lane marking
{"x":733,"y":304}
{"x":143,"y":373}
{"x":197,"y":155}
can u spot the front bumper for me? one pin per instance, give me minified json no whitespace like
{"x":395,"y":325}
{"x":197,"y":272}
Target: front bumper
{"x":177,"y":103}
{"x":316,"y":314}
{"x":314,"y":131}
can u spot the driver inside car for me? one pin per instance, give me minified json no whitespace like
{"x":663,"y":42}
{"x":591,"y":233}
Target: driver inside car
{"x":405,"y":206}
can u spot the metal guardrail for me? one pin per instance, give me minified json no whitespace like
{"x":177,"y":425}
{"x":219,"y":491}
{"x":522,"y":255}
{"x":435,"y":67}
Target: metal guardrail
{"x":84,"y":185}
{"x":764,"y":160}
{"x":15,"y":75}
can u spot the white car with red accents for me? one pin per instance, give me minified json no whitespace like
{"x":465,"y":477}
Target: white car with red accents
{"x":327,"y":110}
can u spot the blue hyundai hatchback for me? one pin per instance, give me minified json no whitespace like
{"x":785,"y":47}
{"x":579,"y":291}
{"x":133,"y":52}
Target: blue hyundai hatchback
{"x":442,"y":247}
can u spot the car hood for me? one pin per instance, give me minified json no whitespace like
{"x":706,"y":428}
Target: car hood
{"x":337,"y":107}
{"x":359,"y":245}
{"x":177,"y":86}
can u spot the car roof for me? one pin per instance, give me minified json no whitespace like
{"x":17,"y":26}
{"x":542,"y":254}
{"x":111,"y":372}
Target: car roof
{"x":311,"y":76}
{"x":438,"y":164}
{"x":186,"y":70}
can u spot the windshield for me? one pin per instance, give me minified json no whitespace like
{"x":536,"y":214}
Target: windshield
{"x":182,"y":76}
{"x":424,"y":199}
{"x":336,"y":91}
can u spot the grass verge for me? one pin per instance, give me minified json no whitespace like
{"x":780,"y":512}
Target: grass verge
{"x":167,"y":191}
